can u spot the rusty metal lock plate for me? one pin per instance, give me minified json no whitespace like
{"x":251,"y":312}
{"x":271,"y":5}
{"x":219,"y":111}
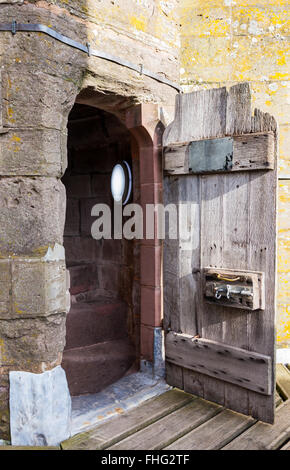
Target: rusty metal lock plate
{"x":234,"y":288}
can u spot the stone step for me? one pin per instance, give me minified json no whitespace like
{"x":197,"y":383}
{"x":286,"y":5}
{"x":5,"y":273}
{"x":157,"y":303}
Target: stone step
{"x":95,"y":322}
{"x":83,"y":278}
{"x":92,"y":368}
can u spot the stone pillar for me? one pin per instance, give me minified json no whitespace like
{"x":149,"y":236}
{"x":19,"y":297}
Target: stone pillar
{"x":40,"y":79}
{"x":34,"y":286}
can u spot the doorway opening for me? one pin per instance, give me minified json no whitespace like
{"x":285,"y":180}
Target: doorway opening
{"x":103,"y":325}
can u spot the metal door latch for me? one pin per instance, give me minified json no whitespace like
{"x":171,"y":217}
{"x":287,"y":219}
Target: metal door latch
{"x":227,"y":290}
{"x":234,"y":288}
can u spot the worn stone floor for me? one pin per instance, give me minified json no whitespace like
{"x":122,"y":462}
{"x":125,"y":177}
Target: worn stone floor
{"x":176,"y":420}
{"x":92,"y":410}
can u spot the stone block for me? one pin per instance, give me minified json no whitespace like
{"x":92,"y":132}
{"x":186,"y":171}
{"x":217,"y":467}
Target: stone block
{"x":207,"y":58}
{"x":4,"y":404}
{"x":33,"y":152}
{"x":109,"y":277}
{"x":77,"y":186}
{"x":39,"y":288}
{"x":32,"y":214}
{"x":36,"y":99}
{"x":151,"y":166}
{"x":87,"y":219}
{"x":128,"y":254}
{"x":206,"y":21}
{"x":32,"y":287}
{"x":151,"y":306}
{"x":82,"y":249}
{"x":284,"y":219}
{"x":126,"y":283}
{"x":112,"y":250}
{"x":5,"y":287}
{"x":267,"y":58}
{"x":151,"y":266}
{"x":284,"y":156}
{"x":40,"y":408}
{"x":90,"y":323}
{"x":100,"y":158}
{"x":101,"y":187}
{"x":147,"y":343}
{"x":83,"y":278}
{"x":32,"y":340}
{"x":272,"y":97}
{"x":39,"y":53}
{"x":283,"y":336}
{"x":268,"y":19}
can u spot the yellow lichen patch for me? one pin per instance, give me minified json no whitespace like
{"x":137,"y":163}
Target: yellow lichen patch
{"x":281,"y":58}
{"x":14,"y":143}
{"x":138,"y":23}
{"x":279,"y":76}
{"x":10,"y":114}
{"x":284,"y":288}
{"x":9,"y":83}
{"x":283,"y":261}
{"x":256,"y":57}
{"x":277,"y":93}
{"x":283,"y":325}
{"x":259,"y":20}
{"x":283,"y":204}
{"x":205,"y":22}
{"x":17,"y":310}
{"x":15,"y":138}
{"x":284,"y":147}
{"x":266,"y":3}
{"x":207,"y":4}
{"x":207,"y":59}
{"x":3,"y":357}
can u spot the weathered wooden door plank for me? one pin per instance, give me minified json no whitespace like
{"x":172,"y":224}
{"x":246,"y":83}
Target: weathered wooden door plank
{"x":262,"y":236}
{"x":236,"y":231}
{"x":264,"y":436}
{"x":215,"y":433}
{"x":171,"y":427}
{"x":128,"y":423}
{"x":228,"y":154}
{"x":239,"y":366}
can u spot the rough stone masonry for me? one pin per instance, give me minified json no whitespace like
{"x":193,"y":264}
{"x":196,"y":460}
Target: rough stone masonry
{"x":40,"y":80}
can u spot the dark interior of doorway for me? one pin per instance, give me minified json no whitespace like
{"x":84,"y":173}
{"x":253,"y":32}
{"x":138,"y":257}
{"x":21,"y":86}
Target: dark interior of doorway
{"x":102,"y":338}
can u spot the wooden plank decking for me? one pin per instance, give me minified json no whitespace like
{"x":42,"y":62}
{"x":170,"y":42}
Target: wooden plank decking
{"x":180,"y":421}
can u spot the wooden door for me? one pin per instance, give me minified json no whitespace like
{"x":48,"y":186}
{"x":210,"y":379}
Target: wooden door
{"x":219,"y":288}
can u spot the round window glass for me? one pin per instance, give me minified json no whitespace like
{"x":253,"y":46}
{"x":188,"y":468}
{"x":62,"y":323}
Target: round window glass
{"x":118,"y":182}
{"x":121,"y":182}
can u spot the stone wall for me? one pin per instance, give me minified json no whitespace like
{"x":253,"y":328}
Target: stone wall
{"x":96,"y":142}
{"x":40,"y":80}
{"x":224,"y":42}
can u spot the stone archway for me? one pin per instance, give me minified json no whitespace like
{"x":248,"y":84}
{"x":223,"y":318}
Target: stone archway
{"x":35,"y":297}
{"x":103,"y":324}
{"x":40,"y":81}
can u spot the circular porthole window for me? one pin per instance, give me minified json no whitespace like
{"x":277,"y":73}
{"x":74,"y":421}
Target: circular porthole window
{"x":121,"y":182}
